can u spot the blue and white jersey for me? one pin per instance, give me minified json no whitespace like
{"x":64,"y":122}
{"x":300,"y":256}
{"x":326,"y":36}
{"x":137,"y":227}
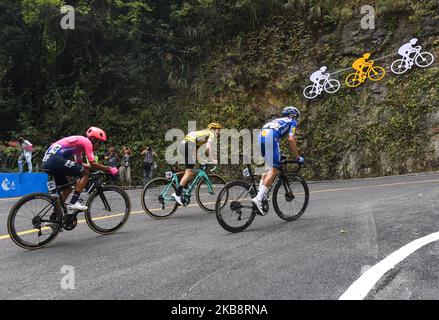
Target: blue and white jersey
{"x":282,"y":126}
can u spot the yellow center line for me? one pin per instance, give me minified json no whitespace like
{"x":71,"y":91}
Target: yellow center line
{"x":82,"y":221}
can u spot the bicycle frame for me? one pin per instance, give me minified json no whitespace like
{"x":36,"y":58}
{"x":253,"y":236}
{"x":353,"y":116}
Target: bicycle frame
{"x":409,"y":62}
{"x":201,"y":174}
{"x":281,"y":175}
{"x":95,"y":184}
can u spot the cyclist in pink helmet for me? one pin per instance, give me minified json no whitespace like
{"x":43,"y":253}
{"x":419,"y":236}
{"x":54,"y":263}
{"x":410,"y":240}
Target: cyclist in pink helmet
{"x":64,"y":159}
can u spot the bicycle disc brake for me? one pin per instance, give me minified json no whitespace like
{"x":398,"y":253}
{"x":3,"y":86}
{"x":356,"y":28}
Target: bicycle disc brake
{"x":36,"y":222}
{"x":289,"y":197}
{"x":162,"y":202}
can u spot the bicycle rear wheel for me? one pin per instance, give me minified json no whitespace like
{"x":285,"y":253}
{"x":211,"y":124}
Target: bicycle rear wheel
{"x":291,"y":197}
{"x":353,"y":80}
{"x":108,"y":210}
{"x":157,"y":203}
{"x":399,"y":66}
{"x":234,"y":209}
{"x":310,"y":92}
{"x":34,"y":221}
{"x":205,"y":199}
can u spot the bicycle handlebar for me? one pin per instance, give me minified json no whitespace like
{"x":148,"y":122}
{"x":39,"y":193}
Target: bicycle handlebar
{"x":292,"y":161}
{"x":209,"y":164}
{"x":99,"y":172}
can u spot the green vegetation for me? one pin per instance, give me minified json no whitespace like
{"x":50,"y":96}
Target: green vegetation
{"x":139,"y":68}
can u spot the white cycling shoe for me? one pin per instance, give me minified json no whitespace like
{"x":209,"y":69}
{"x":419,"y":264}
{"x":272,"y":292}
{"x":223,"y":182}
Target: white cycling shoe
{"x":177,"y":199}
{"x":258,"y":204}
{"x":77,"y":206}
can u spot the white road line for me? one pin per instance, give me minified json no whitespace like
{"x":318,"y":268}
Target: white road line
{"x":362,"y":286}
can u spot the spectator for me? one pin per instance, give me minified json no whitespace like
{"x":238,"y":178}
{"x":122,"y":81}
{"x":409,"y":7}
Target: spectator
{"x":26,"y":153}
{"x":112,"y":159}
{"x":148,"y":164}
{"x":125,"y":168}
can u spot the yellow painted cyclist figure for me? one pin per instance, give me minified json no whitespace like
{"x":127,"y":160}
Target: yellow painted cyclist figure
{"x":188,"y":148}
{"x":364,"y":68}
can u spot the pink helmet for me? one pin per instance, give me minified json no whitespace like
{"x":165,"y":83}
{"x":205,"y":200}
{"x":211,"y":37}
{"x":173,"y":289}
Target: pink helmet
{"x":96,"y":133}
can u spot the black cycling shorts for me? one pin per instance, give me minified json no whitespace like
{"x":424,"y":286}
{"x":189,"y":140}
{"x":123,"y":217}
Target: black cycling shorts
{"x":61,"y":168}
{"x":188,"y":150}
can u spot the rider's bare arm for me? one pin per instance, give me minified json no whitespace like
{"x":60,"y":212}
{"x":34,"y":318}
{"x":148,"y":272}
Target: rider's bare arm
{"x":209,"y":149}
{"x":293,"y":146}
{"x":97,"y":166}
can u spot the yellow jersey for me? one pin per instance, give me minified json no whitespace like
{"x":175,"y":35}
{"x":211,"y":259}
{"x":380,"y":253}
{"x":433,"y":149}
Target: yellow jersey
{"x":200,"y":137}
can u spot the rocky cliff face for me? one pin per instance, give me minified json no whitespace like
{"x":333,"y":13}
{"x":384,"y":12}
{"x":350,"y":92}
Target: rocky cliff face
{"x":379,"y":128}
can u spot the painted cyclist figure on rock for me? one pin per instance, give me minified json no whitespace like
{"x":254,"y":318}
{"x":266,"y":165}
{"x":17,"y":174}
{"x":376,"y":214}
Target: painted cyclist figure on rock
{"x":411,"y":54}
{"x":321,"y":82}
{"x":365,"y":69}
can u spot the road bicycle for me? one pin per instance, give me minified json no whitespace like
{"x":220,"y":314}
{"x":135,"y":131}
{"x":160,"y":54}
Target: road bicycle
{"x":374,"y":73}
{"x":421,"y":59}
{"x":235,"y":211}
{"x":37,"y":219}
{"x":157,"y":200}
{"x":329,"y":85}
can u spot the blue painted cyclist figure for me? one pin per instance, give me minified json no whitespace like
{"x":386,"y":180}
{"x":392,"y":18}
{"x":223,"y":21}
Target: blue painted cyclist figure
{"x":269,"y":138}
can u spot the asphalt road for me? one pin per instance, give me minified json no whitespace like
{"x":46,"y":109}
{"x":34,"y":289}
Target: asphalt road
{"x":348,"y":226}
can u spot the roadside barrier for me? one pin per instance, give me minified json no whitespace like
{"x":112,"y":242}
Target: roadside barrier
{"x":20,"y":184}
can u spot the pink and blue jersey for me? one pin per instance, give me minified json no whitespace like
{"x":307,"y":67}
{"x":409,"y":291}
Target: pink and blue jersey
{"x":72,"y":146}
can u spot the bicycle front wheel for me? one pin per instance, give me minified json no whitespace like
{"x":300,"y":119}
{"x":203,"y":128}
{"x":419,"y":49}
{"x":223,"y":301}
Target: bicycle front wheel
{"x":234,"y":209}
{"x":108,"y":209}
{"x":290,"y":197}
{"x":376,"y":73}
{"x":207,"y":192}
{"x":424,"y":59}
{"x":157,"y":200}
{"x":332,"y":86}
{"x":34,"y":221}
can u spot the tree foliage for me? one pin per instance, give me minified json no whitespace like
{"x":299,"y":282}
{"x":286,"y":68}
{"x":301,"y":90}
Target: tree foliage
{"x":140,"y":67}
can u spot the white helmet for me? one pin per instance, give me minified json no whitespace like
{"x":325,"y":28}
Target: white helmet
{"x":290,"y":111}
{"x":323,"y":69}
{"x":413,"y":41}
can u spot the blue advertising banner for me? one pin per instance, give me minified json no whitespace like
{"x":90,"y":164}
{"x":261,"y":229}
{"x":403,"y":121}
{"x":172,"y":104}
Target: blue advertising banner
{"x":20,"y":184}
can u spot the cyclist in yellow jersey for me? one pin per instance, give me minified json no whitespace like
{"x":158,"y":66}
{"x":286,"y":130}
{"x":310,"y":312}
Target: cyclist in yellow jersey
{"x":360,"y":65}
{"x":188,"y":149}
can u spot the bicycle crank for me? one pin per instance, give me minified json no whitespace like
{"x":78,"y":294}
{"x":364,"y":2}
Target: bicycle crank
{"x":70,"y":222}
